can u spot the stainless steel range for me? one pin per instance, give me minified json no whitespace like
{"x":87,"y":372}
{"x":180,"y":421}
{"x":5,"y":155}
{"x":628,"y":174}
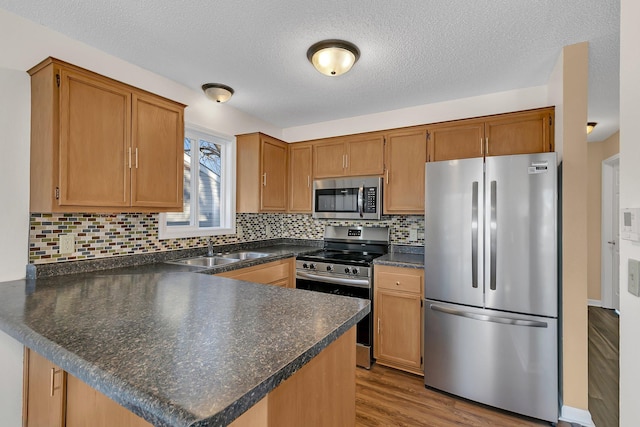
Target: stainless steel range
{"x":345,"y":267}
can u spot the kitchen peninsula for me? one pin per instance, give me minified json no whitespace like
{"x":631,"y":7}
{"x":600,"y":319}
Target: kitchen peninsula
{"x":179,"y":348}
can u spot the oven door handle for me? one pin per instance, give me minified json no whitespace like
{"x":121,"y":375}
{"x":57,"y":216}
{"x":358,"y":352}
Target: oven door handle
{"x":360,"y":283}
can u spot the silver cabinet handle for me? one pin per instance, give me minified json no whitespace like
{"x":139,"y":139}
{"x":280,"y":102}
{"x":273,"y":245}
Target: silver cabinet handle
{"x":264,"y":179}
{"x":487,"y":318}
{"x":474,"y":234}
{"x":486,"y":151}
{"x":494,"y":234}
{"x":346,"y":161}
{"x":129,"y":157}
{"x":481,"y":146}
{"x":308,"y":181}
{"x":136,"y":158}
{"x":378,"y":326}
{"x":387,"y":173}
{"x":343,"y":164}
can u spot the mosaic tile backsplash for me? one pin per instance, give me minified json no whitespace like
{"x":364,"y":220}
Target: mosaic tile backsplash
{"x":101,"y":236}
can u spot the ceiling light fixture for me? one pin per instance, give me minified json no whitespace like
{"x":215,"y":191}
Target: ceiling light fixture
{"x":217,"y":92}
{"x":590,"y":127}
{"x":333,"y":57}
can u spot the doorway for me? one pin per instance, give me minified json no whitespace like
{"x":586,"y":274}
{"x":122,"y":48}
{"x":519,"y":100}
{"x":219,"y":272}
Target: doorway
{"x":610,"y":280}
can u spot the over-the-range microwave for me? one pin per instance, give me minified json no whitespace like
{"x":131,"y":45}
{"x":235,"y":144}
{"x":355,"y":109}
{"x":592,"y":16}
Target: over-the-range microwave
{"x":348,"y":198}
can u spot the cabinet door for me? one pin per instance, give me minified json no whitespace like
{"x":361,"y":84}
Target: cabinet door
{"x":520,"y":133}
{"x":406,"y":154}
{"x":95,"y":124}
{"x":398,"y":329}
{"x":300,"y":173}
{"x":45,"y":389}
{"x":157,"y":158}
{"x":456,"y":141}
{"x":329,"y":159}
{"x":365,"y":156}
{"x":274,"y":175}
{"x":88,"y":407}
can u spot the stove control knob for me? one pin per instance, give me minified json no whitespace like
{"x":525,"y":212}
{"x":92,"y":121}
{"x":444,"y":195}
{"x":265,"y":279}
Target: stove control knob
{"x":305,"y":265}
{"x":354,"y":270}
{"x":312,"y":266}
{"x":329,"y":267}
{"x":347,"y":270}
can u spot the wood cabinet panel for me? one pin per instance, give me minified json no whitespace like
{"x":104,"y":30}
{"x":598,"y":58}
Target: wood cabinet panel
{"x":300,"y":176}
{"x":88,"y":133}
{"x":95,"y":123}
{"x":456,"y":141}
{"x":44,"y":392}
{"x":157,"y":161}
{"x":261,"y":174}
{"x":88,"y":407}
{"x":279,"y":273}
{"x":398,"y":315}
{"x":329,"y":159}
{"x":274,"y":175}
{"x":520,"y":133}
{"x":365,"y":156}
{"x":405,"y":157}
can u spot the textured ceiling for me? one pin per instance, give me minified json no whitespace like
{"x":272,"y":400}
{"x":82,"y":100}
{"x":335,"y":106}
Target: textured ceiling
{"x":413,"y":52}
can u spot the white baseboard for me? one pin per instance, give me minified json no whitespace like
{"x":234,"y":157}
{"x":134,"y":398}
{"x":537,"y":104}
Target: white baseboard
{"x":594,"y":302}
{"x":575,"y":415}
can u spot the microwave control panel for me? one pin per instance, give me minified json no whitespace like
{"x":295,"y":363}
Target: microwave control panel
{"x":370,"y":199}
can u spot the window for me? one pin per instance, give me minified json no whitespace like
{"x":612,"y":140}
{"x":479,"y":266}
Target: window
{"x":209,"y":188}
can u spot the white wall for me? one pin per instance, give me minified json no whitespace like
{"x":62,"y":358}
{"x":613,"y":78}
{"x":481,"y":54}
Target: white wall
{"x":555,"y":95}
{"x":483,"y":105}
{"x":14,"y":223}
{"x":629,"y":197}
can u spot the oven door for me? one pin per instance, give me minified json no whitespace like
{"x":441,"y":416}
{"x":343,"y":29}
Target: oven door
{"x":364,"y":328}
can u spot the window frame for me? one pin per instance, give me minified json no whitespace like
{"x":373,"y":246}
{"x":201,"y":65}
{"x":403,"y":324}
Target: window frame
{"x":227,"y":188}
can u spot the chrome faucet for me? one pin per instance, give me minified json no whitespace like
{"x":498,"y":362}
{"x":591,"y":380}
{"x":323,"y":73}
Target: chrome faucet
{"x":210,"y":247}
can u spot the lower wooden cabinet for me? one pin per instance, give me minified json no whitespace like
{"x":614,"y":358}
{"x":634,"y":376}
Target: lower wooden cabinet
{"x":53,"y":398}
{"x":277,"y":273}
{"x":398,"y":314}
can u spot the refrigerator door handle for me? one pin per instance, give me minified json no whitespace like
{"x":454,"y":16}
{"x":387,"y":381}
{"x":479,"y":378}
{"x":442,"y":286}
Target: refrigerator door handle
{"x":474,"y":234}
{"x":486,"y":318}
{"x":493,"y":235}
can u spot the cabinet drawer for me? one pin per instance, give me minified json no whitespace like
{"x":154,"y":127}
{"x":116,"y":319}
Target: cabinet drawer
{"x":270,"y":273}
{"x":400,"y":280}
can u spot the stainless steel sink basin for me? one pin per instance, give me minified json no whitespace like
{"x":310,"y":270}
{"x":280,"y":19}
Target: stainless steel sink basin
{"x":244,"y":255}
{"x":205,"y":261}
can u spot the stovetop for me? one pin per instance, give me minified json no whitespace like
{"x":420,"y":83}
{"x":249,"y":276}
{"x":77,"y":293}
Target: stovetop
{"x":342,"y":257}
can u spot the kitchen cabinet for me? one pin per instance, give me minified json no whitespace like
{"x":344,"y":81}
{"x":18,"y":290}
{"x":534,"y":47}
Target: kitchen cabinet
{"x":355,"y":155}
{"x":300,"y":177}
{"x":405,"y":156}
{"x":277,"y":273}
{"x":98,"y":145}
{"x":398,"y":314}
{"x":261,"y":174}
{"x":504,"y":134}
{"x":44,"y":392}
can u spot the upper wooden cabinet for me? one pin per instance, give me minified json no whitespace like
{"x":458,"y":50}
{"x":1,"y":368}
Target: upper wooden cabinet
{"x":513,"y":133}
{"x":261,"y":174}
{"x":349,"y":156}
{"x":405,"y":156}
{"x":98,"y":145}
{"x":300,"y":177}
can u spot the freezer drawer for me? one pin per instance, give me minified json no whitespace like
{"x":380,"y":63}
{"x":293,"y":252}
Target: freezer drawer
{"x":500,"y":359}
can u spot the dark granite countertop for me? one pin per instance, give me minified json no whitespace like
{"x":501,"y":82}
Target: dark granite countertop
{"x":177,"y":348}
{"x":400,"y":259}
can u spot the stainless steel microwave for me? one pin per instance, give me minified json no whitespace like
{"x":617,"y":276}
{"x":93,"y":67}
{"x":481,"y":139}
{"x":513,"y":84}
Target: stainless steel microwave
{"x":348,"y":198}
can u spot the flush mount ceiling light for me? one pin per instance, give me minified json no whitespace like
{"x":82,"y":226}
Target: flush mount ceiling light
{"x":217,"y":92}
{"x":590,"y":127}
{"x":333,"y":57}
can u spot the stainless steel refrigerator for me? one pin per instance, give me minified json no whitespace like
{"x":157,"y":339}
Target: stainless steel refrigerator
{"x":491,"y":282}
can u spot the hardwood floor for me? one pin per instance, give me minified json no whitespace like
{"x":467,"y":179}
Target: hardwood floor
{"x":388,"y":397}
{"x":603,"y":367}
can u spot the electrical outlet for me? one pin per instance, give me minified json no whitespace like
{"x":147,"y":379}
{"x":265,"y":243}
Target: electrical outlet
{"x":634,"y":277}
{"x":267,"y":230}
{"x":67,"y":244}
{"x":413,"y":234}
{"x":239,"y":231}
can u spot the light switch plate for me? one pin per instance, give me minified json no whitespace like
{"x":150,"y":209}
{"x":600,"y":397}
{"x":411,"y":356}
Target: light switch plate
{"x":239,"y":231}
{"x":267,"y":230}
{"x":413,"y":234}
{"x":67,"y":244}
{"x":634,"y":277}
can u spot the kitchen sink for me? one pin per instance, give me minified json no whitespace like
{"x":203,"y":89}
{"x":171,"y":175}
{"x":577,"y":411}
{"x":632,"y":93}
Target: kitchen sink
{"x":244,"y":255}
{"x":205,"y":261}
